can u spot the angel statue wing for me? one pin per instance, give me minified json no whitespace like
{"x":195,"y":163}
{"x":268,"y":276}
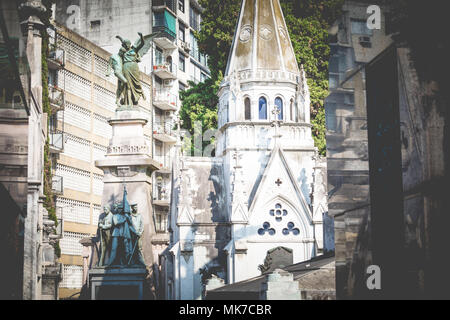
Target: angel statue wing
{"x":115,"y":63}
{"x":145,"y":45}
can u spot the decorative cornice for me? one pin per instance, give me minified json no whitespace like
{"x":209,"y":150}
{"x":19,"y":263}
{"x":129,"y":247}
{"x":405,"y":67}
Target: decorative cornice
{"x":30,"y":13}
{"x":263,"y":123}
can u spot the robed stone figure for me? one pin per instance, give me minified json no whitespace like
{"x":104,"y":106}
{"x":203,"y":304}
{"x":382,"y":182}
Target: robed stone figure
{"x":126,"y":68}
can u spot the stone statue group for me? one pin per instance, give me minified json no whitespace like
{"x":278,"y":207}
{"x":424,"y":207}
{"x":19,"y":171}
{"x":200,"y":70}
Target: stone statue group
{"x":120,"y":230}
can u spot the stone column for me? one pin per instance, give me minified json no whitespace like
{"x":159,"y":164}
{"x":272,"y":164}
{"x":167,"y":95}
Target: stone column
{"x":31,"y":28}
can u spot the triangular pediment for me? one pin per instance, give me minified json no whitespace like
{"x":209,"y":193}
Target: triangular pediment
{"x":185,"y":216}
{"x":278,"y":181}
{"x":239,"y":213}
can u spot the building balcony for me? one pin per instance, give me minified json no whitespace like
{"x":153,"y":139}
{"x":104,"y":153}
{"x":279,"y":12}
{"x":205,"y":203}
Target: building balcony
{"x":164,"y":24}
{"x":165,"y":164}
{"x":161,"y":194}
{"x":164,"y":100}
{"x":161,"y":202}
{"x":56,"y":142}
{"x":56,"y":97}
{"x":165,"y":39}
{"x":57,"y":185}
{"x":60,"y":218}
{"x":185,"y":46}
{"x":163,"y":131}
{"x":165,"y":71}
{"x":56,"y":58}
{"x":158,"y":5}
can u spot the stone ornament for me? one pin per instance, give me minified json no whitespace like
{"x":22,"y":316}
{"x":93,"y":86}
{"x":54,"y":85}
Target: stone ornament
{"x":246,"y":33}
{"x":128,"y":149}
{"x":266,"y":32}
{"x":283,"y":34}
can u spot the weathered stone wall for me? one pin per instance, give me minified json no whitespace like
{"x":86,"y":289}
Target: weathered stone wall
{"x":419,"y":259}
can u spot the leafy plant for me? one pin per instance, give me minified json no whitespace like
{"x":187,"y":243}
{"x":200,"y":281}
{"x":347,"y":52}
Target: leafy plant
{"x":49,"y":203}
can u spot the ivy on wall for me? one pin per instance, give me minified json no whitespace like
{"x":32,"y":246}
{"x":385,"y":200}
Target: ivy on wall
{"x":49,"y":202}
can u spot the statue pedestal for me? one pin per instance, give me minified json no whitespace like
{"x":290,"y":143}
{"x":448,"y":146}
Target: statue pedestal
{"x":117,"y":283}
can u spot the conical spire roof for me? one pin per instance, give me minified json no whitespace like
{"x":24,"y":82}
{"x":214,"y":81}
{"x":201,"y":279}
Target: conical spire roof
{"x":261,"y":40}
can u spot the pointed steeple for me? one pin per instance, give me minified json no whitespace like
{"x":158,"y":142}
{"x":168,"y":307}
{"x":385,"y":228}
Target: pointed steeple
{"x":261,"y":40}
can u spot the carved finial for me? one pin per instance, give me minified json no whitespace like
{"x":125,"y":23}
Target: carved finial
{"x":276,"y":123}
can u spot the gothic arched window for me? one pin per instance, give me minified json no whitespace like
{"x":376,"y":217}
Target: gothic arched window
{"x":279,"y":104}
{"x":262,"y":108}
{"x":248,"y":112}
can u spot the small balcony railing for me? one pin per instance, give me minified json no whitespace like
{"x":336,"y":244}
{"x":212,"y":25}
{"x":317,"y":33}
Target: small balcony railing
{"x":161,"y":191}
{"x":57,"y":184}
{"x":186,"y":46}
{"x":171,"y":4}
{"x":164,"y":100}
{"x":56,"y":97}
{"x":164,"y":132}
{"x":56,"y":141}
{"x":163,"y":128}
{"x":165,"y":70}
{"x":56,"y":57}
{"x":165,"y":162}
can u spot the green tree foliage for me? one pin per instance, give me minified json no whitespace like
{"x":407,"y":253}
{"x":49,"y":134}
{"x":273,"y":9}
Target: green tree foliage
{"x":308,"y":22}
{"x":200,"y":105}
{"x":219,"y":20}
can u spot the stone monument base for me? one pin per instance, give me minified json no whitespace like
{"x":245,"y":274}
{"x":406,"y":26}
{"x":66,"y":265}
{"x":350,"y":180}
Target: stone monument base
{"x":117,"y":283}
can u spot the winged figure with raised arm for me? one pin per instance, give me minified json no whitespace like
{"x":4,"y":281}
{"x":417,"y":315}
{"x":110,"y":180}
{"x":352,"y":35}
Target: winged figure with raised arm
{"x":126,"y":68}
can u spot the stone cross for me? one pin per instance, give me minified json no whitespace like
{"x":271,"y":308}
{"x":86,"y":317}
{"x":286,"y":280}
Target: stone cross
{"x":278,"y":182}
{"x":276,"y":122}
{"x":237,"y":156}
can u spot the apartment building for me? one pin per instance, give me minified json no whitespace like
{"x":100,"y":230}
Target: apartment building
{"x":83,"y":96}
{"x":174,"y":60}
{"x":177,"y":60}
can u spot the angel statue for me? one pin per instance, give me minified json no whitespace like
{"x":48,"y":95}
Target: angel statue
{"x":126,"y":69}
